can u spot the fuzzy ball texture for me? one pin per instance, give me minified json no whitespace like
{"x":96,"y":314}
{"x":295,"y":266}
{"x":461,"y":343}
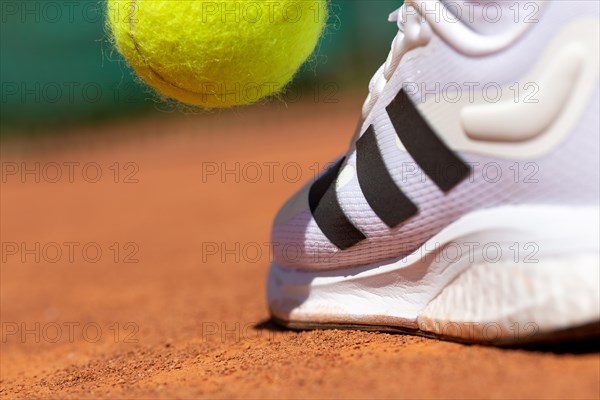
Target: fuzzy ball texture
{"x":216,"y":53}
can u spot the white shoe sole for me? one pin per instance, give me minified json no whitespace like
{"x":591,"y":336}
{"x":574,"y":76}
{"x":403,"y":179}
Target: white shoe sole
{"x":509,"y":274}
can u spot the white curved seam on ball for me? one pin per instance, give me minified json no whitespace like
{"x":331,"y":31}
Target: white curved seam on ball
{"x":146,"y":63}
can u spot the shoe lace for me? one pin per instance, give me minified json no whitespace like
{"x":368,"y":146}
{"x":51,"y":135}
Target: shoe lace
{"x":413,"y":31}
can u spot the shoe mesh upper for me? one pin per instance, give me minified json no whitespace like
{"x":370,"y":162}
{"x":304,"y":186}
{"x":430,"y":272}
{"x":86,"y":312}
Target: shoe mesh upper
{"x":568,"y":175}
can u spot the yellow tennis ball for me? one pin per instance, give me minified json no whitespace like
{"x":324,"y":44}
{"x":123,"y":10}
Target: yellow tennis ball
{"x":216,"y":53}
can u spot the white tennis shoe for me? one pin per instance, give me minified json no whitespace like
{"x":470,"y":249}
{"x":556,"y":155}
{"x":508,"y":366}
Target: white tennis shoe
{"x":467,"y":206}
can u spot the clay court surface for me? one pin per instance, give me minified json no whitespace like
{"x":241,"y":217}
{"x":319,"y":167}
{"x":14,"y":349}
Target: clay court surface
{"x":149,"y":280}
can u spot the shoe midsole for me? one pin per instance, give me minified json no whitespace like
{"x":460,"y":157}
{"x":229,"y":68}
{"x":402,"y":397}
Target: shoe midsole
{"x":534,"y":266}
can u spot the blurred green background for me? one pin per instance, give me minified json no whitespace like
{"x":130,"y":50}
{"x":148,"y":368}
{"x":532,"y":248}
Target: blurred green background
{"x":57,"y":65}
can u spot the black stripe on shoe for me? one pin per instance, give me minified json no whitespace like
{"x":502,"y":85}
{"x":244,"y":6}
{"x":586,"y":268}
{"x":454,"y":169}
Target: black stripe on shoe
{"x":328,"y":213}
{"x":385,"y":198}
{"x":419,"y":139}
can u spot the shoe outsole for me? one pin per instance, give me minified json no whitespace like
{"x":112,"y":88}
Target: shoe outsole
{"x":583,"y":333}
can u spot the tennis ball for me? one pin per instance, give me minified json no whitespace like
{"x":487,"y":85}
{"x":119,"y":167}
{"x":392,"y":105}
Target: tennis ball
{"x":216,"y":53}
